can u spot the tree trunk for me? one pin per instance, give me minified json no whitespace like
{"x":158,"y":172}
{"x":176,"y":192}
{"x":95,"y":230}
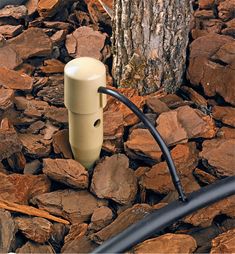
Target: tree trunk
{"x":150,"y":39}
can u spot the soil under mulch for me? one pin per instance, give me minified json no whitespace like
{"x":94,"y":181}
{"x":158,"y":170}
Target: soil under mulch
{"x":49,"y":202}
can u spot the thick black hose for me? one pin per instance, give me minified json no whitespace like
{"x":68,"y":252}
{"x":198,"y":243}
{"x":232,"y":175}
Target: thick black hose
{"x":167,"y":215}
{"x":155,"y":134}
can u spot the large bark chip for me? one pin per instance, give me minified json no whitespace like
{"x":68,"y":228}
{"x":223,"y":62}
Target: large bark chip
{"x":49,"y":8}
{"x":211,"y":65}
{"x":84,"y":41}
{"x":185,"y":123}
{"x":32,"y":42}
{"x":21,"y":188}
{"x":31,"y":247}
{"x":77,"y":239}
{"x":218,"y":154}
{"x":123,"y":221}
{"x":10,"y":142}
{"x":168,"y":243}
{"x":76,"y":206}
{"x":224,"y":114}
{"x":204,"y":217}
{"x":7,"y":231}
{"x":224,"y":243}
{"x":14,"y":80}
{"x":37,"y":229}
{"x":113,"y":179}
{"x":158,"y":178}
{"x":69,"y":172}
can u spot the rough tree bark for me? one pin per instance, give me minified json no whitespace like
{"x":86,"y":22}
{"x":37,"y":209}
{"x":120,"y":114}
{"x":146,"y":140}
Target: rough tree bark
{"x":150,"y":39}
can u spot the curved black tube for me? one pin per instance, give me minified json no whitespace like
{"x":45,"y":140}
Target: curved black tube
{"x":167,"y":215}
{"x":155,"y":134}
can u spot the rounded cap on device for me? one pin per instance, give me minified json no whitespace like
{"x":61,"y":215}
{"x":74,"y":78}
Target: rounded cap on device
{"x":83,"y":77}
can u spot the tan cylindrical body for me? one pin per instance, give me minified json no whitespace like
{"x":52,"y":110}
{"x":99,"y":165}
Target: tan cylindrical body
{"x":83,"y":77}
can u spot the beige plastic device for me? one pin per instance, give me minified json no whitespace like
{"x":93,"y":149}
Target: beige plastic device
{"x":83,"y":77}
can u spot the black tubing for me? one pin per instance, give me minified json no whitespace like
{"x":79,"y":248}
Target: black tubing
{"x":167,"y":215}
{"x":155,"y":134}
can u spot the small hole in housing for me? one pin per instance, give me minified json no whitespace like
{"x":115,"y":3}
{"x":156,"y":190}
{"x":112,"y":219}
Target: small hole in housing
{"x":97,"y":123}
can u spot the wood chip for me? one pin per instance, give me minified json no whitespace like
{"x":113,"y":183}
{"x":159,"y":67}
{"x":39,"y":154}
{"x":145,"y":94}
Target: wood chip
{"x":51,"y":66}
{"x":36,"y":229}
{"x":6,"y":98}
{"x":85,"y":41}
{"x":185,"y":123}
{"x":78,"y":240}
{"x":123,"y":221}
{"x":204,"y":217}
{"x":61,"y":144}
{"x":113,"y":105}
{"x":218,"y":154}
{"x":224,"y":114}
{"x":158,"y":178}
{"x":32,"y":42}
{"x":10,"y":31}
{"x":76,"y":206}
{"x":58,"y":37}
{"x":30,"y":210}
{"x":35,"y":146}
{"x":157,"y":105}
{"x":14,"y":80}
{"x":97,"y":11}
{"x":31,"y":247}
{"x":168,"y":243}
{"x":7,"y":231}
{"x":57,"y":115}
{"x":194,"y":96}
{"x":53,"y":92}
{"x":113,"y":179}
{"x":227,"y":133}
{"x":141,"y":144}
{"x":49,"y":8}
{"x":224,"y":243}
{"x":16,"y":12}
{"x":31,"y":108}
{"x":101,"y":217}
{"x":20,"y":188}
{"x":69,"y":172}
{"x":9,"y":58}
{"x":31,"y":6}
{"x":10,"y":142}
